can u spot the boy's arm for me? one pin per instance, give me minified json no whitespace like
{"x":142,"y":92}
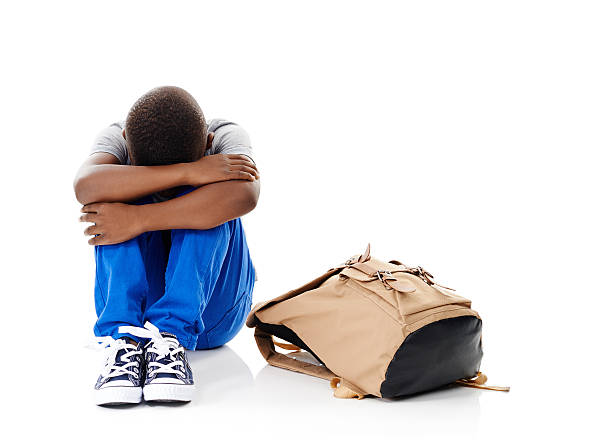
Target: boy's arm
{"x":101,"y":179}
{"x":203,"y":208}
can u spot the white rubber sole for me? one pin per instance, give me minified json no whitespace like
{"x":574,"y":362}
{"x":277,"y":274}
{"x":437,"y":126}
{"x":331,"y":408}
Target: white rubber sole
{"x":168,"y":392}
{"x":118,"y":395}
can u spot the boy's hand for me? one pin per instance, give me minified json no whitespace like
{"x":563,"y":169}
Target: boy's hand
{"x":113,"y":222}
{"x":221,"y":167}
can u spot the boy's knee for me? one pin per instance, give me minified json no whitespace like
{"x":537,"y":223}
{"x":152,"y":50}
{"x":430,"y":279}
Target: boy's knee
{"x":130,"y":243}
{"x":110,"y":249}
{"x":209,"y":235}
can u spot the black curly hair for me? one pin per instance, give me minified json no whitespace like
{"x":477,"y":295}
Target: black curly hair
{"x":164,"y":126}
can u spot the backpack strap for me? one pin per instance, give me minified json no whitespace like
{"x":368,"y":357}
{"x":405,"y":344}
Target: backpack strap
{"x":479,"y":381}
{"x":265,"y":343}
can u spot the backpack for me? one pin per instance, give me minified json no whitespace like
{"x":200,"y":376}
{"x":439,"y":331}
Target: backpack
{"x":375,"y":328}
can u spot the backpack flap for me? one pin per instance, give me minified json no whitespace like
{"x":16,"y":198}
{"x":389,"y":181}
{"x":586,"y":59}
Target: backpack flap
{"x":400,"y":287}
{"x":251,"y":320}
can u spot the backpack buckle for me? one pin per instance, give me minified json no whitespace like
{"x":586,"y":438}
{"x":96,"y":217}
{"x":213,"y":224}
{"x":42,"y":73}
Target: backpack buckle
{"x":383,"y":276}
{"x":425,"y":275}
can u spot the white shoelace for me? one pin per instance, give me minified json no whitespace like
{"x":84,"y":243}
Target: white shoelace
{"x":161,"y":347}
{"x":111,"y":347}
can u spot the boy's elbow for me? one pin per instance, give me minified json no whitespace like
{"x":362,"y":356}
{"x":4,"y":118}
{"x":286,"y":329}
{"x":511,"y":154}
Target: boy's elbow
{"x":77,"y":185}
{"x":82,"y":190}
{"x":249,"y":199}
{"x":243,"y":205}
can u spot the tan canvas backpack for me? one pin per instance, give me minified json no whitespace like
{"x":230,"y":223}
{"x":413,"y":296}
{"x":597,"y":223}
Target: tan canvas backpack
{"x":375,"y":328}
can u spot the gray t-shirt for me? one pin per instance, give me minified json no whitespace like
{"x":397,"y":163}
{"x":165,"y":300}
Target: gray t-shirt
{"x":229,"y":139}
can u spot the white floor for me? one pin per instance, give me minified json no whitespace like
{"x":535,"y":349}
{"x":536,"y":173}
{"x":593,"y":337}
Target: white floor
{"x":241,"y":399}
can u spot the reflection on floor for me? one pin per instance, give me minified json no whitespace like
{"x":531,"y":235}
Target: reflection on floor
{"x":225,"y":379}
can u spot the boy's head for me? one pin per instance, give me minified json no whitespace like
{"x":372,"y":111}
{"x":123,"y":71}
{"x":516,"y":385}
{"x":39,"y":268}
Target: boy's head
{"x":164,"y":126}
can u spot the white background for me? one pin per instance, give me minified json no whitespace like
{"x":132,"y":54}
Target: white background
{"x":472,"y":138}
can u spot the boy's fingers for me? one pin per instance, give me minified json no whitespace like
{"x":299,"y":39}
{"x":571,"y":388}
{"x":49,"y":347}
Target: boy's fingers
{"x":92,"y":229}
{"x":90,"y":208}
{"x":252,"y":171}
{"x":238,"y":156}
{"x":244,"y":175}
{"x":96,"y":240}
{"x":87,"y":217}
{"x":246,"y":166}
{"x":235,"y":157}
{"x":243,"y":162}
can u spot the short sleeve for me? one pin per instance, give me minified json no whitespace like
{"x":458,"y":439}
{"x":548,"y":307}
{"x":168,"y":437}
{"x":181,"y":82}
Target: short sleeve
{"x":110,"y":140}
{"x":230,"y":138}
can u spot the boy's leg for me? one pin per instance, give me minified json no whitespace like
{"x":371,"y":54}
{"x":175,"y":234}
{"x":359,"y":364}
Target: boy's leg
{"x":230,"y":302}
{"x":209,"y":282}
{"x":127,"y":275}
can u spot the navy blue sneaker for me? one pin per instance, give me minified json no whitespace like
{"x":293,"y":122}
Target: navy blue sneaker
{"x":121,"y":379}
{"x":168,"y":375}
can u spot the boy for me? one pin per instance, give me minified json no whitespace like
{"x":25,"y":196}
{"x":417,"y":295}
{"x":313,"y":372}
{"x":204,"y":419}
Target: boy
{"x":164,"y":192}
